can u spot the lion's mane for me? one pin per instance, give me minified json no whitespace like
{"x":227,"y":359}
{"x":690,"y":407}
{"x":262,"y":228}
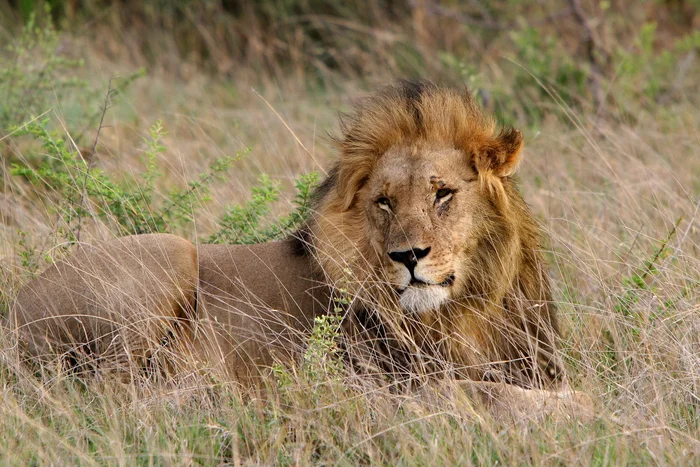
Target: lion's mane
{"x":504,"y":326}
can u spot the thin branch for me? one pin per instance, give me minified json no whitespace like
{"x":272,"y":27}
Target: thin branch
{"x":649,"y":267}
{"x":88,"y":159}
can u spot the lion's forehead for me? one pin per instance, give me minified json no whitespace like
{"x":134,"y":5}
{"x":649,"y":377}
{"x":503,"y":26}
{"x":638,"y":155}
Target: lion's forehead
{"x":416,"y":166}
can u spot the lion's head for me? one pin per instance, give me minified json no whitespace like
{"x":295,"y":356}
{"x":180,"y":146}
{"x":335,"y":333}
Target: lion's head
{"x":421,"y":215}
{"x":421,"y":189}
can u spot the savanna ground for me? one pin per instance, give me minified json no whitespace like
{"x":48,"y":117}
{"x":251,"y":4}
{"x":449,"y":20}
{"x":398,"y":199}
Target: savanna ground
{"x":200,"y":119}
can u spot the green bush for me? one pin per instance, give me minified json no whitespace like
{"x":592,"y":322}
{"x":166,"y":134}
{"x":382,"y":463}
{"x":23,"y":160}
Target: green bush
{"x":247,"y":223}
{"x":80,"y":192}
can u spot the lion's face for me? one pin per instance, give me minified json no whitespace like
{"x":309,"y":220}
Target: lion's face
{"x":424,"y":208}
{"x":419,"y":197}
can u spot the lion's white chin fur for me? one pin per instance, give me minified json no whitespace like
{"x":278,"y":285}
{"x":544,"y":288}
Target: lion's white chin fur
{"x":423,"y":299}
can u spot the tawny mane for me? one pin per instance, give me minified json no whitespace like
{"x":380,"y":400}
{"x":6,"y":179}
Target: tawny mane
{"x":506,"y":313}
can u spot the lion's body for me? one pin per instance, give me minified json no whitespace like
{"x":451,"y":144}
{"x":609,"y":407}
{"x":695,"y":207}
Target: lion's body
{"x":235,"y":308}
{"x":419,"y":223}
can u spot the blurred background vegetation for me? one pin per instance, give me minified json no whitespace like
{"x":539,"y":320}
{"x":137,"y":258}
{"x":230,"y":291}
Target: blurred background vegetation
{"x":523,"y":57}
{"x":204,"y":66}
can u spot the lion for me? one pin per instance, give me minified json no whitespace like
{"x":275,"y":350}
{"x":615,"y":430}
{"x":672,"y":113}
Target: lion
{"x":419,"y":225}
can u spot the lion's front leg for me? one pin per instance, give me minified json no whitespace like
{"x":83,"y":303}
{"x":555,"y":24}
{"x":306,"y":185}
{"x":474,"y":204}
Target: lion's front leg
{"x":508,"y":401}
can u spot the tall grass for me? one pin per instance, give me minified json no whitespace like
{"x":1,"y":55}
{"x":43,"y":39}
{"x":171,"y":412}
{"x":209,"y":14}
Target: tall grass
{"x":612,"y":171}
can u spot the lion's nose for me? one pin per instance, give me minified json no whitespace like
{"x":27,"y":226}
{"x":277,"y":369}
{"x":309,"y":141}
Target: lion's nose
{"x":409,"y":257}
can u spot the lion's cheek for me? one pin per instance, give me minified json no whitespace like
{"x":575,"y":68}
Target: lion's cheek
{"x":461,"y":230}
{"x":376,"y":230}
{"x":382,"y":265}
{"x":377,"y":244}
{"x":463,"y":261}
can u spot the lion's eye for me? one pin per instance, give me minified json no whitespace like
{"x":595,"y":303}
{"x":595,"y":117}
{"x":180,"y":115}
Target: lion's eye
{"x":384,"y":203}
{"x":443,"y":194}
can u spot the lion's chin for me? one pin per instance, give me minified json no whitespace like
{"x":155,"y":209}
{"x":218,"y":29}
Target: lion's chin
{"x":423,"y":299}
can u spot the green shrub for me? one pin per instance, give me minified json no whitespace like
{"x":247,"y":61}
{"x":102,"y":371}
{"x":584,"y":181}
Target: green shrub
{"x":646,"y":74}
{"x":80,"y":192}
{"x":247,"y":223}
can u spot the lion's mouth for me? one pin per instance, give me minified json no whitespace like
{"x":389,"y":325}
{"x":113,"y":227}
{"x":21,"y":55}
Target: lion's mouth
{"x":418,"y":284}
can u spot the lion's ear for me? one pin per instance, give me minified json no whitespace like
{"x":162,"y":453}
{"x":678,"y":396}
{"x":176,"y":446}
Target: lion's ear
{"x":500,"y":156}
{"x":349,"y":183}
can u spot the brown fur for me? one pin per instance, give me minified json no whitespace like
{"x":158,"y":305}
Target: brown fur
{"x":239,"y":308}
{"x":111,"y":303}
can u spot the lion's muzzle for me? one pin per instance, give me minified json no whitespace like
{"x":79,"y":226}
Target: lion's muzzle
{"x":418,"y":292}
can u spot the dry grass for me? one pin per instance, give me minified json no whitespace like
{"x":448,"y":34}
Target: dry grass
{"x":619,"y":201}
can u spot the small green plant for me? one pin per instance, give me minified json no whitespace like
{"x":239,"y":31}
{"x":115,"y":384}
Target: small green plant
{"x":323,"y":357}
{"x":637,"y":282}
{"x":304,"y":186}
{"x":27,"y":255}
{"x":81,"y":192}
{"x":246,"y":223}
{"x":242,"y":224}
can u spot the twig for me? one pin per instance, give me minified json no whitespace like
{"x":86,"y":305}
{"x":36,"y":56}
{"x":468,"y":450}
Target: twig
{"x":105,"y":107}
{"x":88,"y":159}
{"x":650,"y":264}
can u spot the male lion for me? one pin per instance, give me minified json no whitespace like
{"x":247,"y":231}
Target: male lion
{"x":419,"y":223}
